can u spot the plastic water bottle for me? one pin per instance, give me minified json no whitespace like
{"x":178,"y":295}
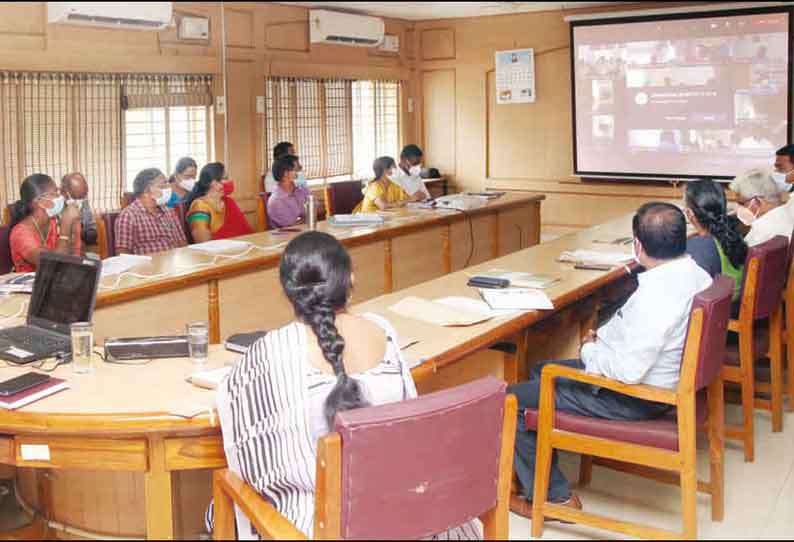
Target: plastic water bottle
{"x":311,"y":212}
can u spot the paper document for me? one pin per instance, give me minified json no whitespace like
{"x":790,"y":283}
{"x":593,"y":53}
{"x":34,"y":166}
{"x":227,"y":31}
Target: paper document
{"x":436,"y":313}
{"x":19,"y":284}
{"x":220,"y":245}
{"x":521,"y":299}
{"x":596,"y":257}
{"x":521,"y":280}
{"x":120,"y":264}
{"x":210,"y":379}
{"x":477,"y":306}
{"x":419,"y":205}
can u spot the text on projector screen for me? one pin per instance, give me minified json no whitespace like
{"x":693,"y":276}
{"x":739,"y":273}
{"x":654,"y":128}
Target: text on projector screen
{"x":694,"y":97}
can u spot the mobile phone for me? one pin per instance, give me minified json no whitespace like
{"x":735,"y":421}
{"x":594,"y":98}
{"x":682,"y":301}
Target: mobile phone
{"x":488,"y":282}
{"x":22,"y":383}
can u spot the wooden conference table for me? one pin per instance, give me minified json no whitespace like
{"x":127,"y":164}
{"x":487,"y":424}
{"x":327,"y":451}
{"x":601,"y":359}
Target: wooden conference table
{"x":122,"y":463}
{"x":240,"y":291}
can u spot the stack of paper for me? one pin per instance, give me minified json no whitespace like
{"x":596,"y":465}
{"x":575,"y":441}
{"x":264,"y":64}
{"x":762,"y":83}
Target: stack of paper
{"x":19,"y":284}
{"x":358,"y":219}
{"x":516,"y":299}
{"x":595,"y":257}
{"x":437,"y":313}
{"x":220,"y":245}
{"x":120,"y":264}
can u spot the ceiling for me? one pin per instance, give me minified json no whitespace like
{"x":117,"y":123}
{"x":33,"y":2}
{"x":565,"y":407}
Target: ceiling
{"x":421,"y":11}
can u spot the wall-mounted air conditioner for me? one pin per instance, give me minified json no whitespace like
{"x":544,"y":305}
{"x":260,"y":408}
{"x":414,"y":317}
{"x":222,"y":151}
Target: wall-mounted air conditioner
{"x":345,"y":29}
{"x":135,"y":15}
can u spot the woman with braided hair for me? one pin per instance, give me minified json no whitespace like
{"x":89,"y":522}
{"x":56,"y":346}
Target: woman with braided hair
{"x":718,"y":247}
{"x":283,"y":395}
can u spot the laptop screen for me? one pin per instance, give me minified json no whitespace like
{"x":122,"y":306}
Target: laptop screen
{"x":64,"y":291}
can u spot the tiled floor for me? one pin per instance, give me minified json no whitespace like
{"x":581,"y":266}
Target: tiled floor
{"x":759,"y":501}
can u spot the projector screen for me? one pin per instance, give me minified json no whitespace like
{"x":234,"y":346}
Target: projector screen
{"x":680,"y":96}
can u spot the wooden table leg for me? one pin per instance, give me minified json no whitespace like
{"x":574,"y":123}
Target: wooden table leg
{"x":159,"y":494}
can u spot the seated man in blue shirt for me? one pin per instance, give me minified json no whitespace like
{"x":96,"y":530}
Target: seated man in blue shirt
{"x":642,"y":343}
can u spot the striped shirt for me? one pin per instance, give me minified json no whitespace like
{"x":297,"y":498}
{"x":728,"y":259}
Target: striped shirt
{"x":270,"y":411}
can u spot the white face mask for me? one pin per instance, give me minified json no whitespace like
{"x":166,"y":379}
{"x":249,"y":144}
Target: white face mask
{"x":745,"y":215}
{"x":57,"y":207}
{"x":76,"y":202}
{"x":165,"y":195}
{"x":415,"y":171}
{"x":780,"y":181}
{"x":187,"y":184}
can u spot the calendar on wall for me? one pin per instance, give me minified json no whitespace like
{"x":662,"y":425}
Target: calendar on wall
{"x":515,"y":76}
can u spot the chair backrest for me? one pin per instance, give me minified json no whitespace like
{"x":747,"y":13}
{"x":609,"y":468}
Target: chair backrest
{"x":765,"y":284}
{"x":7,"y":213}
{"x":417,"y":468}
{"x":126,"y":199}
{"x":342,"y":197}
{"x":262,"y":221}
{"x":715,"y":304}
{"x":6,"y":265}
{"x":107,"y":234}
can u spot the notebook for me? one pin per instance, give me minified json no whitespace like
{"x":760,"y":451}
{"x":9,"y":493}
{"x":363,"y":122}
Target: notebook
{"x":36,"y":393}
{"x":241,"y":342}
{"x":210,"y":379}
{"x":596,"y":257}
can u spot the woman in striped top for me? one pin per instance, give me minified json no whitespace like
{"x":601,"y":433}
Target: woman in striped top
{"x":283,"y":395}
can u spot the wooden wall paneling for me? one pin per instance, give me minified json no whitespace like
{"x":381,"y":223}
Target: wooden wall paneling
{"x":260,"y":290}
{"x":408,"y":270}
{"x":439,"y":126}
{"x":239,"y":28}
{"x":23,"y":18}
{"x":516,"y":230}
{"x":408,"y":44}
{"x":481,"y":364}
{"x":167,"y":313}
{"x":460,"y":239}
{"x":438,"y":44}
{"x":288,"y":36}
{"x":192,"y":495}
{"x":241,"y":104}
{"x":368,"y":268}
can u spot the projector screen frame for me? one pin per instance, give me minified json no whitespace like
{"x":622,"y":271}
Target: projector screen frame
{"x":606,"y":175}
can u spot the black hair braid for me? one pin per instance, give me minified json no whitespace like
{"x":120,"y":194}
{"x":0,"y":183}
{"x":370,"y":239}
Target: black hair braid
{"x":726,"y":230}
{"x":315,"y":274}
{"x":707,"y":201}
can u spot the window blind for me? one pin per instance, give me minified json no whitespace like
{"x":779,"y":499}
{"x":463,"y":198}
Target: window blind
{"x":147,"y":91}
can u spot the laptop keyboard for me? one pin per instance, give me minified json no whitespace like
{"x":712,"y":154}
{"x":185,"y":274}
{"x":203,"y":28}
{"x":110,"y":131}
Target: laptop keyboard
{"x":34,"y":341}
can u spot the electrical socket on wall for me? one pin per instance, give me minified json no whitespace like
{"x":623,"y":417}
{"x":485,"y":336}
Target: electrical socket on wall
{"x":260,"y":105}
{"x":410,"y":105}
{"x":220,"y":105}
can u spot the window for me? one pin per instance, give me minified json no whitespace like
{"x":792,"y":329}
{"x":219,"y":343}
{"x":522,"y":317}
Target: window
{"x":166,"y":118}
{"x":106,"y":126}
{"x":160,"y":136}
{"x":338,"y":126}
{"x":56,"y":123}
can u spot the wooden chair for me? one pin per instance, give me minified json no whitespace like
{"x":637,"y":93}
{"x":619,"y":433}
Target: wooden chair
{"x":262,"y":222}
{"x":667,"y":444}
{"x":342,"y":197}
{"x":6,"y":265}
{"x":762,"y":293}
{"x":788,"y":332}
{"x":401,"y":471}
{"x":106,"y":234}
{"x":7,"y":213}
{"x":125,"y":199}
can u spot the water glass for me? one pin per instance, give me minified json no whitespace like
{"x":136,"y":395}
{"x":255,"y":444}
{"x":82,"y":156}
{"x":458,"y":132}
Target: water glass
{"x":82,"y":347}
{"x":198,"y":341}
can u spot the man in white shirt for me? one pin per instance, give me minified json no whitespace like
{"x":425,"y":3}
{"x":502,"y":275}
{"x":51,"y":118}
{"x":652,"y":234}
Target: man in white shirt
{"x":407,"y":173}
{"x":641,"y":344}
{"x":761,"y":206}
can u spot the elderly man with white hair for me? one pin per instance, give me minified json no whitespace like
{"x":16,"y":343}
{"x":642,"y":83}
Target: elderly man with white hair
{"x":761,"y":206}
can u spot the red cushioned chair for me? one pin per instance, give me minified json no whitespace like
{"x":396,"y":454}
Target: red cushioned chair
{"x":106,"y":234}
{"x":788,"y":331}
{"x":666,"y":444}
{"x":401,"y":471}
{"x":262,"y":222}
{"x":342,"y":197}
{"x":765,"y":273}
{"x":6,"y":265}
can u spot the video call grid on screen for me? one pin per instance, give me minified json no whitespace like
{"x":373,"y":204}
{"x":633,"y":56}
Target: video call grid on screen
{"x":700,"y":95}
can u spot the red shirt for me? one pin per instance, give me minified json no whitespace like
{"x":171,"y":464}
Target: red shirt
{"x":25,"y":238}
{"x":140,"y":232}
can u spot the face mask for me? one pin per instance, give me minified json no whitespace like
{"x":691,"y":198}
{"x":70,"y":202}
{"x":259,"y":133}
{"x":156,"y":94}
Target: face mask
{"x":300,"y":179}
{"x":780,"y":181}
{"x":187,"y":184}
{"x":391,"y":176}
{"x":57,"y":207}
{"x":415,"y":171}
{"x":165,"y":195}
{"x":745,"y":215}
{"x":228,"y":188}
{"x":76,"y":202}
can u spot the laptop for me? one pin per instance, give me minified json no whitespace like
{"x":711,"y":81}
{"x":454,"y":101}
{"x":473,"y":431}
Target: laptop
{"x":64,"y":292}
